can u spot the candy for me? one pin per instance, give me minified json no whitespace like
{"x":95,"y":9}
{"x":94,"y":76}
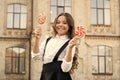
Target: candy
{"x":41,"y":19}
{"x":80,"y":31}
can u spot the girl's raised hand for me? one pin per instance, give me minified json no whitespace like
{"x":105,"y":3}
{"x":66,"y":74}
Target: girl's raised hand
{"x":73,"y":42}
{"x":37,"y":32}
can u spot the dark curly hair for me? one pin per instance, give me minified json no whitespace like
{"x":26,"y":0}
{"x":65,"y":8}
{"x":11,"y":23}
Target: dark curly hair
{"x":70,"y":34}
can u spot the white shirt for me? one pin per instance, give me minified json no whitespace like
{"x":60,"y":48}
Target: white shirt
{"x":52,"y":47}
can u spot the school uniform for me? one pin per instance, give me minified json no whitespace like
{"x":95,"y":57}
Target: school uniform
{"x":55,"y":67}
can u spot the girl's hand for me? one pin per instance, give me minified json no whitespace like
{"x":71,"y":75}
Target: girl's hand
{"x":37,"y":33}
{"x":73,"y":42}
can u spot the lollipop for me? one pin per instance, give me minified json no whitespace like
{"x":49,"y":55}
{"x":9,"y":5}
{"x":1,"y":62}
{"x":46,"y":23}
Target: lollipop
{"x":80,"y":31}
{"x":41,"y":19}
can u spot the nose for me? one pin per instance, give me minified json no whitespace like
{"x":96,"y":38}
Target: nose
{"x":61,"y":24}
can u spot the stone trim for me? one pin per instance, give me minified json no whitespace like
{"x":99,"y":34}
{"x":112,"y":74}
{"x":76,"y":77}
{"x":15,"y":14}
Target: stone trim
{"x":102,"y":37}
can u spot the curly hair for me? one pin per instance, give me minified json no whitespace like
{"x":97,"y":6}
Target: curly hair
{"x":70,"y":34}
{"x":75,"y":62}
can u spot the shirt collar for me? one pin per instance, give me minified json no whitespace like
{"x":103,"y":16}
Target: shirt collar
{"x":64,"y":37}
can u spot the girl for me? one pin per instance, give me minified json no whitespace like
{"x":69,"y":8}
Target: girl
{"x":59,"y":52}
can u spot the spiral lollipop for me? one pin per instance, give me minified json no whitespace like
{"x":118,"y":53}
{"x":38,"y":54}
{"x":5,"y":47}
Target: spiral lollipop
{"x":41,"y":19}
{"x":80,"y":31}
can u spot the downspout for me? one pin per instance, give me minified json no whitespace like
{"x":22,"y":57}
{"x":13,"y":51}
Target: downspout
{"x":119,"y":12}
{"x":30,"y":40}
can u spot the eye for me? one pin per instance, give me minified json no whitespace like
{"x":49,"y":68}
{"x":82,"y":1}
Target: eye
{"x":58,"y":22}
{"x":65,"y":22}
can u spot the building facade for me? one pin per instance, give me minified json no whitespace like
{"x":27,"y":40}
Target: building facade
{"x":99,"y":51}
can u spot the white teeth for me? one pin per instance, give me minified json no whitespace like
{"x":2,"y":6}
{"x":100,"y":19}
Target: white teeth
{"x":60,"y":29}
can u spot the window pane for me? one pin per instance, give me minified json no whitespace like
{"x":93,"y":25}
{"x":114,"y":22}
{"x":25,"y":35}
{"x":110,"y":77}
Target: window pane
{"x":108,"y":65}
{"x":16,"y":20}
{"x":22,"y":52}
{"x":107,"y":16}
{"x":53,"y":2}
{"x":93,"y":3}
{"x":60,"y":2}
{"x":101,"y":65}
{"x":100,"y":16}
{"x":102,"y":50}
{"x":107,"y":3}
{"x":60,"y":10}
{"x":23,"y":21}
{"x":93,"y":16}
{"x":68,"y":10}
{"x":10,"y":8}
{"x":15,"y":51}
{"x":22,"y":60}
{"x":10,"y":20}
{"x":15,"y":65}
{"x":95,"y":64}
{"x":22,"y":65}
{"x":23,"y":9}
{"x":8,"y":63}
{"x":67,"y":2}
{"x":53,"y":13}
{"x":100,"y":3}
{"x":17,"y":8}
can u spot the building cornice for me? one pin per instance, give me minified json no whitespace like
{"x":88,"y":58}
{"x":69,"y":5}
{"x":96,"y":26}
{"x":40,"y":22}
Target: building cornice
{"x":14,"y":37}
{"x":101,"y":37}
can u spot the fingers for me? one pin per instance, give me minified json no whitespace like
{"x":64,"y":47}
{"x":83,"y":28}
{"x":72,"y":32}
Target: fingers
{"x":37,"y":32}
{"x":73,"y":42}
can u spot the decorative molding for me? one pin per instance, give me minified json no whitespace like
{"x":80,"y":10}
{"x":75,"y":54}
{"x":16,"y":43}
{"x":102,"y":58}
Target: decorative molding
{"x":101,"y":30}
{"x":102,"y":37}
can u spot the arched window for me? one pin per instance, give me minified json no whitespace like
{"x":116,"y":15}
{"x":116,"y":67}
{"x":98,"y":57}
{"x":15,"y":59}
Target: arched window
{"x":59,"y":6}
{"x":16,"y":16}
{"x":102,"y":60}
{"x":15,"y":60}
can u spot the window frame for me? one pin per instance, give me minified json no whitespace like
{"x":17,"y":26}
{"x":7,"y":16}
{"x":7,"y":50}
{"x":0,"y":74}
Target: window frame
{"x":59,"y":6}
{"x":105,"y":56}
{"x":19,"y":15}
{"x":103,"y":16}
{"x":13,"y":58}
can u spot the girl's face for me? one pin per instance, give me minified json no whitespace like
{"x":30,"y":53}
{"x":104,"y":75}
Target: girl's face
{"x":61,"y":26}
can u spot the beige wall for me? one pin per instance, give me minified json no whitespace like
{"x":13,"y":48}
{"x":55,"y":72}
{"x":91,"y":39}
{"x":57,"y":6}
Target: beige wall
{"x":81,"y":14}
{"x":12,"y":37}
{"x":109,"y":36}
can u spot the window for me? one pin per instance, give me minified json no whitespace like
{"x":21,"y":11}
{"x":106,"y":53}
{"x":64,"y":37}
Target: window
{"x":59,"y":6}
{"x":15,"y":60}
{"x":16,"y":16}
{"x":100,"y":12}
{"x":102,"y":60}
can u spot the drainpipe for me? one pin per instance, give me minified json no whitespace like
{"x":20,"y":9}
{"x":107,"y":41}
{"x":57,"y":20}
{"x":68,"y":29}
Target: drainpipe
{"x":119,"y":12}
{"x":30,"y":35}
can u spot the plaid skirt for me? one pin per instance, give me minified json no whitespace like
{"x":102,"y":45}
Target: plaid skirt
{"x":53,"y":71}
